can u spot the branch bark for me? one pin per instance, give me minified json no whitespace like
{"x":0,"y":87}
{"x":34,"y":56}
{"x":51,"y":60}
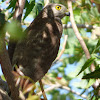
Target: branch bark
{"x":7,"y":69}
{"x":63,"y":47}
{"x":5,"y":61}
{"x":43,"y":92}
{"x":19,"y":10}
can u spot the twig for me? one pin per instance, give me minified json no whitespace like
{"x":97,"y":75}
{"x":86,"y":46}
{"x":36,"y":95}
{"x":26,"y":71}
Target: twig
{"x":92,"y":97}
{"x":63,"y":47}
{"x":62,"y":51}
{"x":77,"y":93}
{"x":43,"y":92}
{"x":65,"y":26}
{"x":54,"y":86}
{"x":57,"y":84}
{"x":50,"y":88}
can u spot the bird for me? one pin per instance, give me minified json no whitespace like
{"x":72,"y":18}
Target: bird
{"x":35,"y":53}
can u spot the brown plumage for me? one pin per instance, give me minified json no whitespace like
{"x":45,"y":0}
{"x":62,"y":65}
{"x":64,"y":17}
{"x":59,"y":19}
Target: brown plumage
{"x":36,"y":52}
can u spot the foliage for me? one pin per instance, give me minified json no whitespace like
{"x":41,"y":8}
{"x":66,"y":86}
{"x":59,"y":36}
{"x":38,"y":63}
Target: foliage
{"x":73,"y":65}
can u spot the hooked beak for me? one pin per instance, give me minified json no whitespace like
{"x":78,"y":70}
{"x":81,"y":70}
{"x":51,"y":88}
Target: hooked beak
{"x":67,"y":13}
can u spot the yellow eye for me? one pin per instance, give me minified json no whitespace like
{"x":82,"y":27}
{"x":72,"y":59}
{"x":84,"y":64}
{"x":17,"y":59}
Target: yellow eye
{"x":58,"y":7}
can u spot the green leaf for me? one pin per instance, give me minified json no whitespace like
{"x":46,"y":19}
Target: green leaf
{"x":65,"y":20}
{"x":11,"y":15}
{"x":83,"y":2}
{"x":15,"y":30}
{"x":38,"y":7}
{"x":87,"y":64}
{"x":76,"y":11}
{"x":61,"y":69}
{"x":2,"y":19}
{"x":91,"y":82}
{"x":97,"y":1}
{"x":95,"y":74}
{"x":29,"y":8}
{"x":88,"y":6}
{"x":81,"y":84}
{"x":63,"y":97}
{"x":94,"y":12}
{"x":3,"y":78}
{"x":26,"y":4}
{"x":12,"y":4}
{"x":33,"y":97}
{"x":85,"y":17}
{"x":98,"y":44}
{"x":3,"y":0}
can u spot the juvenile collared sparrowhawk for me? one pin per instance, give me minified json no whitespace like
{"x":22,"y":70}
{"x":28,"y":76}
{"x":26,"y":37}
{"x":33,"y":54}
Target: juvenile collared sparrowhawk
{"x":36,"y":52}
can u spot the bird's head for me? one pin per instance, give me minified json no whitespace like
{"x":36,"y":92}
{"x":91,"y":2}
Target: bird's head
{"x":56,"y":10}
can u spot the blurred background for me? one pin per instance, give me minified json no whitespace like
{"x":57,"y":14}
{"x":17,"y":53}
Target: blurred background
{"x":62,"y":80}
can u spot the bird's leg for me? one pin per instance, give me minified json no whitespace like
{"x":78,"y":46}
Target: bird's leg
{"x":43,"y":92}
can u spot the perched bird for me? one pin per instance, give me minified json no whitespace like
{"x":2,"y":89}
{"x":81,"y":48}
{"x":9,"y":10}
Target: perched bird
{"x":36,"y":52}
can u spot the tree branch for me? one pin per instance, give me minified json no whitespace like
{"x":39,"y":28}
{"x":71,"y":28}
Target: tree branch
{"x":54,"y":86}
{"x":65,"y":26}
{"x":19,"y":9}
{"x":7,"y":69}
{"x":5,"y":61}
{"x":63,"y":49}
{"x":85,"y":49}
{"x":43,"y":92}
